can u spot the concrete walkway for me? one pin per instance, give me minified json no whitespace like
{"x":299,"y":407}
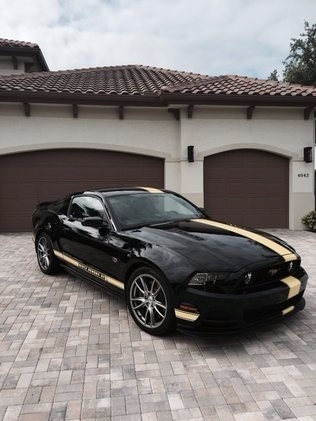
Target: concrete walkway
{"x":70,"y":352}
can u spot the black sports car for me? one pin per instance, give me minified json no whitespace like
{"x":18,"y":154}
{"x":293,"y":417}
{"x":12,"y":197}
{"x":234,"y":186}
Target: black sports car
{"x":174,"y":265}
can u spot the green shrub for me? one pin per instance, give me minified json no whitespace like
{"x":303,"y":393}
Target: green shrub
{"x":310,"y":220}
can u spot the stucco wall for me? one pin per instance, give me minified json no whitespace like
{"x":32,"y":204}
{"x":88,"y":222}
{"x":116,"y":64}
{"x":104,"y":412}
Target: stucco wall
{"x":153,"y":132}
{"x":156,"y":132}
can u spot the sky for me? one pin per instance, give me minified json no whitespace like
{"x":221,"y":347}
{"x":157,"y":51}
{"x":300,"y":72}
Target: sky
{"x":214,"y":37}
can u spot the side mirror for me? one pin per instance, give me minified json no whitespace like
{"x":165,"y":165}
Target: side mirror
{"x":94,"y":222}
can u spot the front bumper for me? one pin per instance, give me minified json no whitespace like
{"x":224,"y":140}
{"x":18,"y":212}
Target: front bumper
{"x":232,"y":312}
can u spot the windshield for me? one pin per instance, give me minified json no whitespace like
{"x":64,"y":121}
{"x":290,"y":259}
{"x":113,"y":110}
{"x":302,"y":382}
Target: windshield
{"x":139,"y":209}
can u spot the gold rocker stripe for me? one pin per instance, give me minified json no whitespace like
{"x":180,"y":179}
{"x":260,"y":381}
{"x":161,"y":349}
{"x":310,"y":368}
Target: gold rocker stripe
{"x":293,"y":284}
{"x":152,"y":190}
{"x":186,"y":315}
{"x":89,"y":269}
{"x":66,"y":258}
{"x":277,"y":248}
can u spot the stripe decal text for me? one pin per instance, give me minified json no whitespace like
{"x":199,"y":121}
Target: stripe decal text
{"x":89,"y":269}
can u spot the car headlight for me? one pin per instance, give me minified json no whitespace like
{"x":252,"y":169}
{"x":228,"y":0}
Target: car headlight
{"x":208,"y":278}
{"x":290,"y":267}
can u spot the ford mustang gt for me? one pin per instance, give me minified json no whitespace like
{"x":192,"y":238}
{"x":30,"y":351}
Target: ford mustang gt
{"x":174,"y":265}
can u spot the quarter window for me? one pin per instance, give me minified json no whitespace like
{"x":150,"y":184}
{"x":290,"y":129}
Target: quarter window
{"x":85,"y":207}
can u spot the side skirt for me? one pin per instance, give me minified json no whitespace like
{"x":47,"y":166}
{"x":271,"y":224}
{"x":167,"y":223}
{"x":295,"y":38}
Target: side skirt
{"x":93,"y":281}
{"x":90,"y":273}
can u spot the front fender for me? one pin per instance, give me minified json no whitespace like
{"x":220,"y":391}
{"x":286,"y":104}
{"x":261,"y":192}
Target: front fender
{"x":175,"y":268}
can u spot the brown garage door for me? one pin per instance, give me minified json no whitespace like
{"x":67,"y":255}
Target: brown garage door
{"x":32,"y":177}
{"x":247,"y":187}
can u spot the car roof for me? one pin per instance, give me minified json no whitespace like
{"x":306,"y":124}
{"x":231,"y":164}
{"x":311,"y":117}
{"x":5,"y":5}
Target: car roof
{"x":122,"y":190}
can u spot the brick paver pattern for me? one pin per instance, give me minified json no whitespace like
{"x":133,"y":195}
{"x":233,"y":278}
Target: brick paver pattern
{"x":70,"y":352}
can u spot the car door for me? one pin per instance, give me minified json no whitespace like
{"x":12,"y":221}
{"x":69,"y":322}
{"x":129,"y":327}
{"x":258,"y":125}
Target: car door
{"x":97,"y":246}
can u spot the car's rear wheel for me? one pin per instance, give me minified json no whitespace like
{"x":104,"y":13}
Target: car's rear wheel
{"x":149,"y":301}
{"x":47,"y":261}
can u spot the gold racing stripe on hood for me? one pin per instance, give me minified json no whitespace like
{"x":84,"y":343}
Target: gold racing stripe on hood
{"x":277,"y":248}
{"x":96,"y":273}
{"x":293,"y":284}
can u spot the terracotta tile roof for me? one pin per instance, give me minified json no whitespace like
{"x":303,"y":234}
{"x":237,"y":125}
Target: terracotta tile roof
{"x":162,"y":86}
{"x":20,"y":44}
{"x":114,"y":80}
{"x":241,"y":85}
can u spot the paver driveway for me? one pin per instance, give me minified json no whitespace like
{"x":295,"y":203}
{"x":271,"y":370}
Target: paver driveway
{"x":69,"y":351}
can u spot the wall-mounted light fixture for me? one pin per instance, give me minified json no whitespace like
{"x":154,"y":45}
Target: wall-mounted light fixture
{"x":308,"y":154}
{"x":191,"y":153}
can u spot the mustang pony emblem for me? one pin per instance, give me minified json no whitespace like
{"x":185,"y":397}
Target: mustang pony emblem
{"x":273,"y":272}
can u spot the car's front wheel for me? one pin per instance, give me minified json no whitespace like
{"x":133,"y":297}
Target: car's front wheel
{"x":149,"y":301}
{"x":47,"y":261}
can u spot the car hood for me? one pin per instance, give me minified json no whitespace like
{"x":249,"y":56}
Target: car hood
{"x":216,"y":246}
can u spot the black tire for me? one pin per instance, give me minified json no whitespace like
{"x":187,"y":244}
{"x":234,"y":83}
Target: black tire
{"x":149,"y":302}
{"x":47,"y":261}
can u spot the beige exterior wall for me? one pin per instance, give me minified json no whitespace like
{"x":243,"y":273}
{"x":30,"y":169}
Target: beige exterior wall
{"x":150,"y":132}
{"x":155,"y":132}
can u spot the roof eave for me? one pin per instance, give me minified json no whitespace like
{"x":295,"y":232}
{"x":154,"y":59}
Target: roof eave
{"x":222,"y":99}
{"x":42,"y":60}
{"x":157,"y":100}
{"x":80,"y":99}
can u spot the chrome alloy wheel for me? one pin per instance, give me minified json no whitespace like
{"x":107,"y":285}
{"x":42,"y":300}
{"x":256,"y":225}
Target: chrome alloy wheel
{"x":43,"y":253}
{"x":148,"y":301}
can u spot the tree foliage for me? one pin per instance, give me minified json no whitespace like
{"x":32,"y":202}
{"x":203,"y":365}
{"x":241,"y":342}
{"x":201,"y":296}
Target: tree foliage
{"x":300,"y":65}
{"x":274,"y":76}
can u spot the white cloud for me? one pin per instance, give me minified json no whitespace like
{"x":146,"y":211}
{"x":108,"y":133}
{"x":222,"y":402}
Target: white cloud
{"x":247,"y":37}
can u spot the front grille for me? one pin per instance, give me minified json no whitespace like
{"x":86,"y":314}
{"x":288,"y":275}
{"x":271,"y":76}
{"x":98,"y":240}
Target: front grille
{"x":268,"y":278}
{"x":262,"y":279}
{"x":275,"y":272}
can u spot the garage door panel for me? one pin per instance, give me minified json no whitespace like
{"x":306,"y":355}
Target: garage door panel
{"x":54,"y":190}
{"x":247,"y":187}
{"x":32,"y":177}
{"x":16,"y":224}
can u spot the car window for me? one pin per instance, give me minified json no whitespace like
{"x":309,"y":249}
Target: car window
{"x":166,"y":204}
{"x":85,"y":207}
{"x":144,"y":209}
